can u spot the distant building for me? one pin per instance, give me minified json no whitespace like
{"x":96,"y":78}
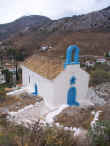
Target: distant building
{"x":10,"y":67}
{"x":109,"y":53}
{"x":44,"y":48}
{"x":101,"y":60}
{"x":2,"y":78}
{"x":89,"y":63}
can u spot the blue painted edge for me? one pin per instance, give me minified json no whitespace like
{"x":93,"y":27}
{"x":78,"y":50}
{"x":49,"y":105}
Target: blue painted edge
{"x":72,"y":80}
{"x":69,"y":53}
{"x":35,"y":93}
{"x":71,"y":99}
{"x":72,"y":93}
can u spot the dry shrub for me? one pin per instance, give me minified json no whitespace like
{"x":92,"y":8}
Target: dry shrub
{"x":75,"y":117}
{"x":37,"y":135}
{"x":50,"y":136}
{"x":105,"y":114}
{"x":41,"y":136}
{"x":59,"y":137}
{"x":99,"y":76}
{"x":82,"y":140}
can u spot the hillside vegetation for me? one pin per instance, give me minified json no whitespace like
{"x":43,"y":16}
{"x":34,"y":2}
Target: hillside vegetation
{"x":91,"y":32}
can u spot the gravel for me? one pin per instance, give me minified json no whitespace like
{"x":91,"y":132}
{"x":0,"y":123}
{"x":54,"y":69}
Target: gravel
{"x":100,"y":94}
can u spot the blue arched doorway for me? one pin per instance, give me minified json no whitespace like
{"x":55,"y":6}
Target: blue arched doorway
{"x":72,"y":93}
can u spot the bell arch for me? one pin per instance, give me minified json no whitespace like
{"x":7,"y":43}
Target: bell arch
{"x":69,"y":55}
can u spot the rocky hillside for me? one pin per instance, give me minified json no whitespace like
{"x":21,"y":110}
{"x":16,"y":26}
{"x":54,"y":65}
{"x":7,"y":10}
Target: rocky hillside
{"x":22,"y":25}
{"x":97,"y":20}
{"x":91,"y":32}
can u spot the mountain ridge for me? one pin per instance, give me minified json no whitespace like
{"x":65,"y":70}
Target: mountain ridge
{"x":91,"y":32}
{"x":20,"y":24}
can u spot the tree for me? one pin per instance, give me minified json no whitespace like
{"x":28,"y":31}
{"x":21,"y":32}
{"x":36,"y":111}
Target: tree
{"x":8,"y":75}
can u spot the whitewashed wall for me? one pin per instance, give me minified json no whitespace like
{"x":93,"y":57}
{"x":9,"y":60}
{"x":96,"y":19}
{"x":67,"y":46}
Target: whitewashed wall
{"x":55,"y":91}
{"x":45,"y":86}
{"x":62,"y":84}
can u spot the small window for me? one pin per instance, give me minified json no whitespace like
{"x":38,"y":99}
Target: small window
{"x":29,"y":79}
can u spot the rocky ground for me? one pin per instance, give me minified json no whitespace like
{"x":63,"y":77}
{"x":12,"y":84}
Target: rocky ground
{"x":75,"y":117}
{"x":26,"y":109}
{"x":17,"y":102}
{"x":103,"y":91}
{"x":100,"y":94}
{"x":29,"y":109}
{"x":29,"y":114}
{"x":82,"y":116}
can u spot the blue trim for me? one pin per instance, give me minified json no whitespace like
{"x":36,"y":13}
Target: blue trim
{"x":72,"y":80}
{"x":36,"y":90}
{"x":72,"y":93}
{"x":69,"y":61}
{"x":71,"y":100}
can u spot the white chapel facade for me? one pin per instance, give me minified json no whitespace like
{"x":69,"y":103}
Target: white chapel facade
{"x":56,"y":81}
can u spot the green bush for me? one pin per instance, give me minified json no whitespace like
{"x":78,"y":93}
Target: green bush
{"x":2,"y":96}
{"x":17,"y":54}
{"x":99,"y":76}
{"x":6,"y":140}
{"x":99,"y":135}
{"x":103,"y":67}
{"x":8,"y":75}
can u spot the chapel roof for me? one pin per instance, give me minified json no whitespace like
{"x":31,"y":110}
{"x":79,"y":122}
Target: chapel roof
{"x":48,"y":67}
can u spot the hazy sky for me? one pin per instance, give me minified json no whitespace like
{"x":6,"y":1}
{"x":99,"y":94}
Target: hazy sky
{"x":13,"y":9}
